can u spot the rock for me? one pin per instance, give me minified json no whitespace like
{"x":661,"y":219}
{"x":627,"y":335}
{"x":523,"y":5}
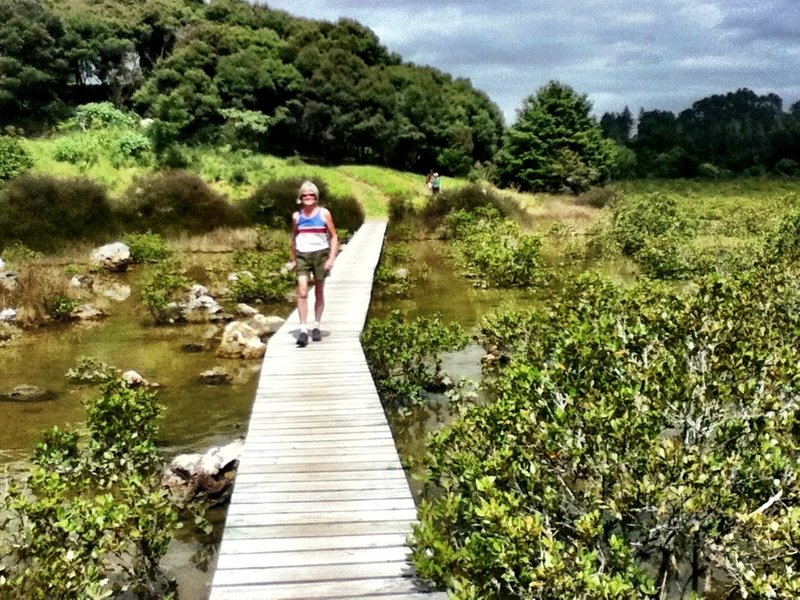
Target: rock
{"x":86,"y":312}
{"x":216,"y":376}
{"x":8,"y":315}
{"x":25,"y":393}
{"x":81,"y":281}
{"x":198,"y":290}
{"x":239,"y":340}
{"x":211,"y":474}
{"x":113,"y":257}
{"x":401,"y":273}
{"x":134,"y":379}
{"x":265,"y":326}
{"x":245,"y":310}
{"x":201,"y":308}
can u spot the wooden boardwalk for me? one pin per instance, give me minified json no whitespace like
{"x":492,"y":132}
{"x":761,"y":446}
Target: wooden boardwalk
{"x":321,"y":506}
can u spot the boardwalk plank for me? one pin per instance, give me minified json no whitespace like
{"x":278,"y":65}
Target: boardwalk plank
{"x":308,"y":558}
{"x":318,"y":531}
{"x":315,"y":544}
{"x":362,"y":588}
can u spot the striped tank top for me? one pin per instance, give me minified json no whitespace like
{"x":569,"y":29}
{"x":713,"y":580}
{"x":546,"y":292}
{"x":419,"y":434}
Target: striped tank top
{"x":312,"y":232}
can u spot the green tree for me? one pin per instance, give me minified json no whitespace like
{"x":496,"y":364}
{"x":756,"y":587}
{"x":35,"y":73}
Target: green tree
{"x":555,"y":144}
{"x":33,"y":66}
{"x":618,"y":126}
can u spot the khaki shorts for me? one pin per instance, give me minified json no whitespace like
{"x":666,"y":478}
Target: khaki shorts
{"x":309,"y":263}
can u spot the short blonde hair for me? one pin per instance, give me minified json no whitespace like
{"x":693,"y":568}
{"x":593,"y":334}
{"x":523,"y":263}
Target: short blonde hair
{"x":308,"y":187}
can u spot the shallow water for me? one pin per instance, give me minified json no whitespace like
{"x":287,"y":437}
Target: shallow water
{"x":197,"y":416}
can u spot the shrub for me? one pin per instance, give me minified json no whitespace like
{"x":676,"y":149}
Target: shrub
{"x":164,"y":289}
{"x":787,"y":167}
{"x":494,"y":250}
{"x":44,"y":212}
{"x":626,"y":424}
{"x":92,"y":519}
{"x":261,"y":276}
{"x":643,"y":217}
{"x":92,"y":370}
{"x":60,"y":307}
{"x":14,"y":159}
{"x":147,"y":247}
{"x":348,"y":214}
{"x":468,"y":199}
{"x":79,"y":149}
{"x":96,"y":115}
{"x":130,"y":147}
{"x":404,"y":356}
{"x":176,"y":201}
{"x":274,"y":203}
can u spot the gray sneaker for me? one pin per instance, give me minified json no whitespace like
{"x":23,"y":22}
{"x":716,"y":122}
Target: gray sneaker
{"x":302,"y":339}
{"x":316,"y":335}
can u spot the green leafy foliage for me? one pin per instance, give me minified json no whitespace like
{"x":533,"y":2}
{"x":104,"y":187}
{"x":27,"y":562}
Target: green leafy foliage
{"x":91,"y":520}
{"x":92,"y":370}
{"x":261,"y":276}
{"x":14,"y":159}
{"x":495,"y":252}
{"x":636,"y":435}
{"x":100,"y":115}
{"x":80,"y":149}
{"x":404,"y":356}
{"x":147,"y":247}
{"x":274,"y":202}
{"x":467,"y":199}
{"x":164,"y":288}
{"x":60,"y":307}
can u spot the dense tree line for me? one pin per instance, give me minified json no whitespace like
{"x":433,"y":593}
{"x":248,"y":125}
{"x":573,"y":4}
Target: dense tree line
{"x":230,"y":72}
{"x":739,"y":132}
{"x":226,"y":71}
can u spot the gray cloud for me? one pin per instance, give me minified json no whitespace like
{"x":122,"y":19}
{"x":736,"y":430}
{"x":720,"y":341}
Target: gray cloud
{"x":650,"y":54}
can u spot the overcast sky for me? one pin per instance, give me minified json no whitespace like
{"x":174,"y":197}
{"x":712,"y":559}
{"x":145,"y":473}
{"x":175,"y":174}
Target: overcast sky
{"x":651,"y":54}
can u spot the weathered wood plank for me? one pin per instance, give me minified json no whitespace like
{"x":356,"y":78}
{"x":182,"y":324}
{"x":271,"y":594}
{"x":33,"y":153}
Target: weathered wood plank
{"x":263,"y":507}
{"x":362,"y":588}
{"x":314,"y":544}
{"x":318,"y":531}
{"x":340,"y":572}
{"x":238,"y":520}
{"x":307,"y":558}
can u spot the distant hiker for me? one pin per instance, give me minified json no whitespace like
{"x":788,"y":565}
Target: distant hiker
{"x":436,"y":184}
{"x":429,"y":179}
{"x":314,"y":247}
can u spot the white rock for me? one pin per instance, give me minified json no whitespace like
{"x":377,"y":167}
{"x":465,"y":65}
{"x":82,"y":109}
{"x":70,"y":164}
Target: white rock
{"x":239,"y":340}
{"x":114,"y":257}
